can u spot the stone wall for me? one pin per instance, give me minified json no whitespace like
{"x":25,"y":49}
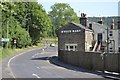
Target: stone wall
{"x":71,"y":38}
{"x":92,"y":60}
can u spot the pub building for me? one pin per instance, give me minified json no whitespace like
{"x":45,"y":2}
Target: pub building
{"x":89,"y":36}
{"x":75,"y":37}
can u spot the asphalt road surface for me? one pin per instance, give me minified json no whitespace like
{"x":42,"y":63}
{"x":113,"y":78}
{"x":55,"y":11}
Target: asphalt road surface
{"x":35,"y":64}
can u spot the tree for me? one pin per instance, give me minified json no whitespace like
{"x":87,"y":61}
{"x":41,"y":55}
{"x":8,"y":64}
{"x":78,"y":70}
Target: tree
{"x":34,"y":19}
{"x":26,"y":19}
{"x":15,"y":31}
{"x":62,"y":14}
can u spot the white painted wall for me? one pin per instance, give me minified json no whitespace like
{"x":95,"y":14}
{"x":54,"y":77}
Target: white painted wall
{"x":88,"y":40}
{"x":99,"y":28}
{"x":115,"y":38}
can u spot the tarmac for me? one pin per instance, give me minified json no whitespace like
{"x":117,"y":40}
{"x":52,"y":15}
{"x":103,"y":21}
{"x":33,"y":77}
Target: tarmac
{"x":109,"y":76}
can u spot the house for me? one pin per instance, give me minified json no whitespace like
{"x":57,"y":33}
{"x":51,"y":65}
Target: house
{"x":114,"y":38}
{"x":89,"y":36}
{"x":103,"y":33}
{"x":75,"y":37}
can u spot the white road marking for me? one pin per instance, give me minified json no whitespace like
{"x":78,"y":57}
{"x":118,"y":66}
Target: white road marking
{"x":35,"y":75}
{"x":59,"y":67}
{"x":35,"y":55}
{"x":38,"y":67}
{"x":15,"y":57}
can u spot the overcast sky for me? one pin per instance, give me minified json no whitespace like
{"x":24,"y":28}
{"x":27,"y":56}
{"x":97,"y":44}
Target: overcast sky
{"x":91,"y":8}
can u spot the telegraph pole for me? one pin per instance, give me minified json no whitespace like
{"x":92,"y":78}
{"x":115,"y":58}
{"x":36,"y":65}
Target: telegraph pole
{"x":7,"y":31}
{"x":107,"y":41}
{"x":104,"y":54}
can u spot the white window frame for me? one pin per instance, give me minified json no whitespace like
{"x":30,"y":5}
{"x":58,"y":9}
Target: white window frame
{"x":67,"y":47}
{"x":111,"y":49}
{"x":110,"y":33}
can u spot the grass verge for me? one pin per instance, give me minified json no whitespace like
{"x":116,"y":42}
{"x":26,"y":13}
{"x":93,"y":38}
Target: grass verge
{"x":9,"y":52}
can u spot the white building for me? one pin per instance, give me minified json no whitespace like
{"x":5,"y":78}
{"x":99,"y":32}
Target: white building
{"x":100,"y":36}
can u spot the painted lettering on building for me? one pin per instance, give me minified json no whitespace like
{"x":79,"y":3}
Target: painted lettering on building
{"x":70,"y":31}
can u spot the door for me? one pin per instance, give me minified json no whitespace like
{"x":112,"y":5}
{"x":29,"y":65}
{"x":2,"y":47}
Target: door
{"x":99,"y":37}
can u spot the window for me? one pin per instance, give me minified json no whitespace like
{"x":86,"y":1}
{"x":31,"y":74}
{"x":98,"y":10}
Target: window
{"x":71,"y":47}
{"x":66,"y":47}
{"x":118,"y":49}
{"x":111,"y":50}
{"x":110,"y":33}
{"x":75,"y":47}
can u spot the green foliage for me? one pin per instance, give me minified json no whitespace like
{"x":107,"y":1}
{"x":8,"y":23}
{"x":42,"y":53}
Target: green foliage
{"x":34,"y":19}
{"x":14,"y":28}
{"x":6,"y":52}
{"x":23,"y":38}
{"x":26,"y":22}
{"x":0,"y":53}
{"x":61,"y":14}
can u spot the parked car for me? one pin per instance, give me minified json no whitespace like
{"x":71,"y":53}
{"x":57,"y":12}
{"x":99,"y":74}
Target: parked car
{"x":52,"y":45}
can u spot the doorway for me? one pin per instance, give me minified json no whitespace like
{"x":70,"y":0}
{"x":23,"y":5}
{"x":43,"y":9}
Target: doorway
{"x":99,"y":37}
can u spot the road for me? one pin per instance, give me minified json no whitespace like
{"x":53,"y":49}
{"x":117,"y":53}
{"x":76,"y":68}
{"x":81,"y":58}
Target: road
{"x":35,"y":64}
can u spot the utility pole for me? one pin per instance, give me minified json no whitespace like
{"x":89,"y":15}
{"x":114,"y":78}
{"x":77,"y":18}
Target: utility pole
{"x":28,"y":17}
{"x":107,"y":40}
{"x":104,"y":54}
{"x":7,"y":30}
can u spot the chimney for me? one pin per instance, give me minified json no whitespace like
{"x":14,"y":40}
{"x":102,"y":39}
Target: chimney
{"x":118,"y":24}
{"x":112,"y":25}
{"x":101,"y":21}
{"x":83,"y":19}
{"x":90,"y":26}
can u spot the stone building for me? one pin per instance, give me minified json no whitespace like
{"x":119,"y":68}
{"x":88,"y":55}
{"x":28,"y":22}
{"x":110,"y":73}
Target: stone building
{"x":89,"y":36}
{"x":75,"y":37}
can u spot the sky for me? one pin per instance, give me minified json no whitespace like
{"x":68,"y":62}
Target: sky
{"x":92,"y":8}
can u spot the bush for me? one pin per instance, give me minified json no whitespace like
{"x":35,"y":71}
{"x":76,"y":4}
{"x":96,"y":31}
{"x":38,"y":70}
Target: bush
{"x":23,"y":39}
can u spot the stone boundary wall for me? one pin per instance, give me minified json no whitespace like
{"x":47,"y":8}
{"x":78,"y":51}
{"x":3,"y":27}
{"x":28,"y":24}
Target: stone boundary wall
{"x":92,"y":60}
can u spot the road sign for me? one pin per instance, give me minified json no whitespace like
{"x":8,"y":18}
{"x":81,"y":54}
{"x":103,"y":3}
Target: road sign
{"x":5,"y":39}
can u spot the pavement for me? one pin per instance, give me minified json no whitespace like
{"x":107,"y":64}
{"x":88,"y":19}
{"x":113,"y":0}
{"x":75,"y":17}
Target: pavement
{"x":43,"y":63}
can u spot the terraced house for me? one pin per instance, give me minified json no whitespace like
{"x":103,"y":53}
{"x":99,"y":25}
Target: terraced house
{"x":89,"y":36}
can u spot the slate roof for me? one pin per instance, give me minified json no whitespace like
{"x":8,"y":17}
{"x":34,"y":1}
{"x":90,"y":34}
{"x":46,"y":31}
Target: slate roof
{"x":81,"y":26}
{"x":97,"y":25}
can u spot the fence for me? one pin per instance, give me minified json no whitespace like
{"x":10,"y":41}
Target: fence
{"x":92,"y":60}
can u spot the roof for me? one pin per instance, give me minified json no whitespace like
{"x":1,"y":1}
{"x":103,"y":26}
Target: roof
{"x":81,"y":26}
{"x":97,"y":25}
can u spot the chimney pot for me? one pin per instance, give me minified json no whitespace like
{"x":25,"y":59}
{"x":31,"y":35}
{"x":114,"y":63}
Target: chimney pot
{"x":112,"y":25}
{"x":83,"y":19}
